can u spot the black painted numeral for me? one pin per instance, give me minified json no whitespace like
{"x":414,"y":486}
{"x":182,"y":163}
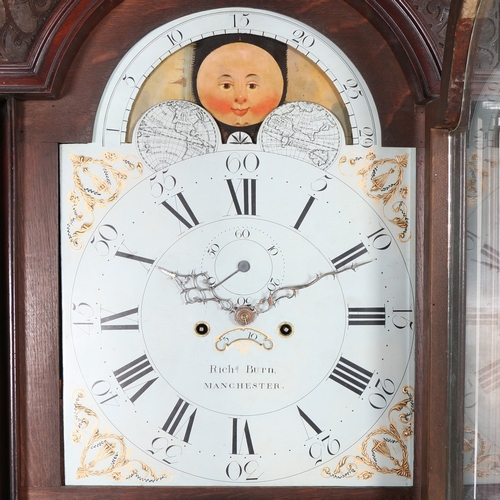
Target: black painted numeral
{"x":129,"y":324}
{"x":489,"y":377}
{"x":189,"y":212}
{"x":238,"y":439}
{"x":490,"y":256}
{"x":366,"y":316}
{"x":246,"y":204}
{"x":309,"y":422}
{"x":351,"y":376}
{"x":137,"y":258}
{"x":137,"y":370}
{"x":347,"y":257}
{"x":304,"y":212}
{"x":178,"y":419}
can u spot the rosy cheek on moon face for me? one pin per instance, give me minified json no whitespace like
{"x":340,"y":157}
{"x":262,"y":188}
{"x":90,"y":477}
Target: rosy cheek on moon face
{"x":263,"y":107}
{"x":217,"y":105}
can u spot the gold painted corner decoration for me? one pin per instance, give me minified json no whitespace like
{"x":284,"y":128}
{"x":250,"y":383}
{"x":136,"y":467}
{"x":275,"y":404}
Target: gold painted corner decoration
{"x":382,"y":180}
{"x":97,"y":182}
{"x":479,"y":173}
{"x":384,"y":450}
{"x":478,"y":456}
{"x":105,"y":453}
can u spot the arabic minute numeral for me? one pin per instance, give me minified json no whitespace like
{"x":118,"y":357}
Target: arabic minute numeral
{"x":352,"y":89}
{"x":105,"y":239}
{"x":303,"y":39}
{"x":169,"y":453}
{"x":366,"y":137}
{"x":101,"y":389}
{"x":402,"y":319}
{"x":175,"y":37}
{"x":384,"y":388}
{"x":323,"y":444}
{"x":250,"y":470}
{"x":250,"y":163}
{"x":161,"y":183}
{"x":241,"y":20}
{"x":213,"y":250}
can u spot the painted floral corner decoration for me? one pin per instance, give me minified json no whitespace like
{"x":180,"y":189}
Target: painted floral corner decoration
{"x":382,"y":181}
{"x":478,"y":456}
{"x":383,"y":450}
{"x":105,"y":453}
{"x":98,"y":182}
{"x":479,"y":172}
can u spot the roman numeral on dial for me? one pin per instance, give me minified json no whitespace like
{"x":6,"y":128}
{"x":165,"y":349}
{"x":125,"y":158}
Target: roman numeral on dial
{"x":304,"y":212}
{"x":193,"y":221}
{"x":239,"y":438}
{"x":347,"y":257}
{"x":306,"y":419}
{"x":379,"y":240}
{"x":247,"y":205}
{"x":490,"y":256}
{"x":129,"y":320}
{"x":137,"y":258}
{"x":366,"y":316}
{"x":489,"y":377}
{"x":178,"y":419}
{"x":351,"y":376}
{"x":138,"y":371}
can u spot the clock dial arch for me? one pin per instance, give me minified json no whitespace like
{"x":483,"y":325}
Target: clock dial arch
{"x":111,"y":124}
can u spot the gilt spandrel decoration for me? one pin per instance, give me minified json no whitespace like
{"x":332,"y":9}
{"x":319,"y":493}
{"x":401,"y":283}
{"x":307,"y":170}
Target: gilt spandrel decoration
{"x":105,"y":453}
{"x":385,"y":449}
{"x":97,"y":183}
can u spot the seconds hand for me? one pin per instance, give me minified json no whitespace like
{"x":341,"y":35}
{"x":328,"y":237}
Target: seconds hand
{"x":243,"y":266}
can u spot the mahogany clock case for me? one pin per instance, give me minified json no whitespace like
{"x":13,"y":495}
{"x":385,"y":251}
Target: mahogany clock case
{"x":32,"y":132}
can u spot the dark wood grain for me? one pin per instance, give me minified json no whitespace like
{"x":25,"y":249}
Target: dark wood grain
{"x":152,"y":493}
{"x":6,"y":260}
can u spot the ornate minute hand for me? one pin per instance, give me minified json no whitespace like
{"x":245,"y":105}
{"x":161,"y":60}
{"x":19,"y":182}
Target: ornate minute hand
{"x":196,"y":287}
{"x":289,"y":292}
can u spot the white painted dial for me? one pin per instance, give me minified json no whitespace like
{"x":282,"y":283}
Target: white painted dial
{"x":323,"y":379}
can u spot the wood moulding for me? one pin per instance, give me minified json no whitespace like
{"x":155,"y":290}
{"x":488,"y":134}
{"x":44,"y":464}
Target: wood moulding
{"x":55,"y":45}
{"x":413,"y":37}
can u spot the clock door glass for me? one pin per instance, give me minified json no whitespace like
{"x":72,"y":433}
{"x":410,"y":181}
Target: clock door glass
{"x":238,"y":268}
{"x":482,"y":238}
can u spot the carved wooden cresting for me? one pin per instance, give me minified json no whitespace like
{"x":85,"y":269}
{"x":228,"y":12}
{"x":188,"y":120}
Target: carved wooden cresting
{"x":20,"y":23}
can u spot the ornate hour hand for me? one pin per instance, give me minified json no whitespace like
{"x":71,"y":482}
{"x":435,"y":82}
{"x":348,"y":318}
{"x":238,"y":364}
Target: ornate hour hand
{"x":289,"y":292}
{"x":197,"y":287}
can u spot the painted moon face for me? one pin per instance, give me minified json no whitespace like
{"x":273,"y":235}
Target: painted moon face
{"x":240,"y":84}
